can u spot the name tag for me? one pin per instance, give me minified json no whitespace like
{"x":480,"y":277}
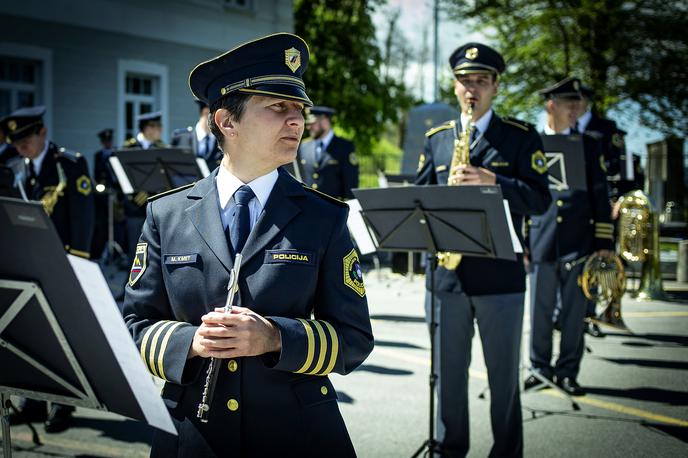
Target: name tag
{"x":180,"y":258}
{"x":440,"y":168}
{"x":332,"y":162}
{"x":499,"y":164}
{"x":289,"y":257}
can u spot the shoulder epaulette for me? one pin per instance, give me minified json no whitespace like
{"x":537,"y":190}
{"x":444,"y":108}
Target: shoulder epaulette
{"x":445,"y":126}
{"x":63,"y":153}
{"x":518,"y":123}
{"x":327,"y":197}
{"x":171,"y":191}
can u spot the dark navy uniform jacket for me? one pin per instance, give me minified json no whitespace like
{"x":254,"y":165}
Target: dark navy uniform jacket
{"x":611,"y":138}
{"x":73,"y":214}
{"x":577,"y":222}
{"x":300,"y":271}
{"x":186,"y":138}
{"x":513,"y":151}
{"x":337,"y":172}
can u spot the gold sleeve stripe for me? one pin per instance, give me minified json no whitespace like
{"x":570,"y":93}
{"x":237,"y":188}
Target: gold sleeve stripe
{"x":604,"y":225}
{"x":335,"y":348}
{"x":153,"y":344}
{"x":323,"y":348}
{"x":147,"y":335}
{"x":603,"y":236}
{"x":311,"y":346}
{"x":163,"y":346}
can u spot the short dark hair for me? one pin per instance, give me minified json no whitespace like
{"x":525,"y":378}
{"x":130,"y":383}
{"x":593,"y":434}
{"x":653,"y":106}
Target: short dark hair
{"x":235,"y":103}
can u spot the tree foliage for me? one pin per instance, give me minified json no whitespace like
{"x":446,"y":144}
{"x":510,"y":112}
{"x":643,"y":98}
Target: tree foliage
{"x":346,"y":67}
{"x":634,"y":53}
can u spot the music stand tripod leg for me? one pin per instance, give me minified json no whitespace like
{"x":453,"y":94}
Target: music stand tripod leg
{"x":551,"y":384}
{"x":5,"y":419}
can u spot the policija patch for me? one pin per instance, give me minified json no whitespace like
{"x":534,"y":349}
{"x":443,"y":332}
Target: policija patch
{"x":139,"y":264}
{"x":353,"y":275}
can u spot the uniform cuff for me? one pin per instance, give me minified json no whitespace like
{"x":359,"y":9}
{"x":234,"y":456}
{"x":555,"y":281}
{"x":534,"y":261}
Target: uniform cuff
{"x":164,"y":349}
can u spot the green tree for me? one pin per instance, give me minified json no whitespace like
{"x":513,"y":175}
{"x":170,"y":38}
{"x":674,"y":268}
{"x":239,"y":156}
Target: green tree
{"x":345,"y":70}
{"x":634,"y":53}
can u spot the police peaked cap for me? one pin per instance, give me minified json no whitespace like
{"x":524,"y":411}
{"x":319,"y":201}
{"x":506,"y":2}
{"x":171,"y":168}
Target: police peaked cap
{"x":271,"y":66}
{"x":476,"y":58}
{"x":148,"y":117}
{"x":313,"y":112}
{"x":22,"y":122}
{"x":105,"y":134}
{"x":568,"y":88}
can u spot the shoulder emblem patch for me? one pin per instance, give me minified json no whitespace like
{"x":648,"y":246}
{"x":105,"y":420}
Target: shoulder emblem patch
{"x":139,"y":264}
{"x":538,"y":162}
{"x":353,"y":275}
{"x":353,"y":159}
{"x":618,"y":140}
{"x":83,"y":185}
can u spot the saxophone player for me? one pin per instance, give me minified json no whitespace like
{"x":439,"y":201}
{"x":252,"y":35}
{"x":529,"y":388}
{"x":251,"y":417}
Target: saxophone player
{"x":60,"y":180}
{"x":502,"y":151}
{"x":302,"y":311}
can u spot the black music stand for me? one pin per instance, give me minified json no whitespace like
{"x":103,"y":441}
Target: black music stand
{"x":157,"y":169}
{"x":62,"y":338}
{"x":565,"y":161}
{"x":470,"y":220}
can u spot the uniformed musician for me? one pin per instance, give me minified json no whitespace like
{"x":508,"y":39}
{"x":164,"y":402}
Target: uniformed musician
{"x":576,"y":224}
{"x":60,"y":180}
{"x":302,"y":310}
{"x":328,"y":162}
{"x":507,"y":152}
{"x":199,"y":139}
{"x":148,"y":136}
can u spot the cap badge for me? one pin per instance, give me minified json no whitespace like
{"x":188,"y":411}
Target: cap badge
{"x":292,"y":59}
{"x":12,"y":125}
{"x":471,"y":53}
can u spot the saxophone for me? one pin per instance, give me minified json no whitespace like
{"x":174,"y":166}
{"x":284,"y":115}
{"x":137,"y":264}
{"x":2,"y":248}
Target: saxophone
{"x":461,"y":156}
{"x":49,"y":199}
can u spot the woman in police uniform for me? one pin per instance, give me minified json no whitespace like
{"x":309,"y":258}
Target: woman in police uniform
{"x":303,"y":311}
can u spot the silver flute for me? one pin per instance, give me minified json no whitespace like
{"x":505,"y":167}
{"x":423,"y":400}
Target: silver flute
{"x":214,"y":366}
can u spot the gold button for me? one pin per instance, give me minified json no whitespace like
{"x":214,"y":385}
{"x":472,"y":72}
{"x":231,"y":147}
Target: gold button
{"x":316,"y":176}
{"x":232,"y":365}
{"x":314,"y":186}
{"x":559,"y":219}
{"x":233,"y":405}
{"x":303,"y":161}
{"x":323,"y":390}
{"x":560,"y":203}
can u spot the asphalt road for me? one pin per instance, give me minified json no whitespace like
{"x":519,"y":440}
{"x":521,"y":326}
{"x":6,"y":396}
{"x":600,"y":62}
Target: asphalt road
{"x":635,"y":406}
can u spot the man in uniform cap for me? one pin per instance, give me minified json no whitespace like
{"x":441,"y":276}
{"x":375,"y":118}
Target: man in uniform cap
{"x":199,"y":139}
{"x":576,"y":224}
{"x":150,"y":130}
{"x":303,"y":311}
{"x":506,"y":152}
{"x":328,"y":162}
{"x":61,"y":181}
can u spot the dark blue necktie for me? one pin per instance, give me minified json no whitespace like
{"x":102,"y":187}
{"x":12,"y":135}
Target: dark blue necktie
{"x":241,"y":224}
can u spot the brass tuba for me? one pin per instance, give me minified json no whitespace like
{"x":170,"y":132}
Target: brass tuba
{"x":603,"y":281}
{"x":638,"y":241}
{"x":461,"y":156}
{"x":50,"y":198}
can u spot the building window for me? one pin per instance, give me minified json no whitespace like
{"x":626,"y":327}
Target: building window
{"x":245,"y":5}
{"x":142,"y":88}
{"x":21,"y":84}
{"x":142,"y":95}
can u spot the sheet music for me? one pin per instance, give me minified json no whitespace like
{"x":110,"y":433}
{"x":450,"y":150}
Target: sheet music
{"x":122,"y":177}
{"x":514,"y":237}
{"x":359,"y":230}
{"x":105,"y":309}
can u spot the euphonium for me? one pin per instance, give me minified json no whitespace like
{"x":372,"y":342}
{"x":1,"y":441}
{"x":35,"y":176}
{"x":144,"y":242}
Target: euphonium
{"x":603,"y":281}
{"x":50,"y":198}
{"x":638,"y":240}
{"x":461,"y":157}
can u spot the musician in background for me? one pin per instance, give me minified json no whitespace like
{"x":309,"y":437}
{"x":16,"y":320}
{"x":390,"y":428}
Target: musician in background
{"x":61,"y":181}
{"x":575,"y":225}
{"x":302,"y":311}
{"x":199,"y":139}
{"x":507,"y":152}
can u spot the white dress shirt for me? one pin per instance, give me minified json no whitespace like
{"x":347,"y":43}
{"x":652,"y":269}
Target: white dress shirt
{"x":227,"y":184}
{"x":145,"y":143}
{"x":549,"y":131}
{"x":583,"y":121}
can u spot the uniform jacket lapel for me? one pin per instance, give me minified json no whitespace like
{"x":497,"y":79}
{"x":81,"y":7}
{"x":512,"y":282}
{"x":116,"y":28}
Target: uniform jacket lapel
{"x":279,"y":210}
{"x":480,"y":154}
{"x":205,"y":216}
